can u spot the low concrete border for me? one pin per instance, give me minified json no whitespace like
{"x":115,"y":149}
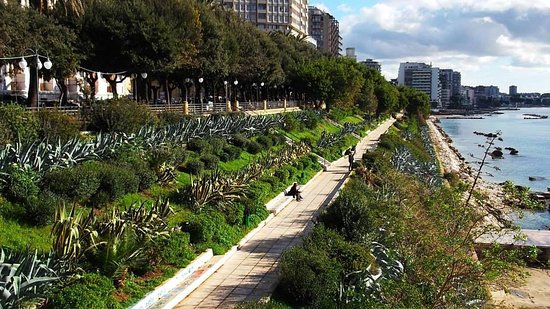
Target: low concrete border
{"x":153,"y":296}
{"x":205,"y":275}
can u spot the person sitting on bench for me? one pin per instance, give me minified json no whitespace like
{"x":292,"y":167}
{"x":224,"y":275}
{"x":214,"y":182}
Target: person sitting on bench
{"x":295,"y":192}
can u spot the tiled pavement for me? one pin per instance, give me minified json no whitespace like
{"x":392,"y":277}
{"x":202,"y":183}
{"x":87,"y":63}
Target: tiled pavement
{"x":251,"y":273}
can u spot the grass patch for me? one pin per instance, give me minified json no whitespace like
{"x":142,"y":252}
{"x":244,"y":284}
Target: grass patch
{"x":17,"y":236}
{"x":315,"y":134}
{"x":352,"y":120}
{"x":235,"y":165}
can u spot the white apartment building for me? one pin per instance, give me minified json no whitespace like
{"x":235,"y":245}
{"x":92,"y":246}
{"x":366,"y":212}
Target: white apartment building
{"x":273,"y":15}
{"x":422,"y":77}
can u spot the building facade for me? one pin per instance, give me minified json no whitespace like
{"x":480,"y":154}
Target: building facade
{"x":371,"y":64}
{"x":450,"y":82}
{"x":325,"y":29}
{"x":422,"y":77}
{"x":273,"y":15}
{"x":513,"y":90}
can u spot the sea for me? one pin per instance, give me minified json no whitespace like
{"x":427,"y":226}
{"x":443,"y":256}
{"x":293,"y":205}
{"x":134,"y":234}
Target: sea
{"x":531,"y":137}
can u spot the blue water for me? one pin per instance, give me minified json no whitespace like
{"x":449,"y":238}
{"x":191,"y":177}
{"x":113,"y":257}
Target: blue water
{"x":530,"y":137}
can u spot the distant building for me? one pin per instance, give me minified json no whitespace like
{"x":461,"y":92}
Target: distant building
{"x":486,"y":94}
{"x":350,"y":53}
{"x":422,"y":77}
{"x":467,"y":94}
{"x":324,"y":28}
{"x":450,"y":82}
{"x":371,"y":64}
{"x":513,"y":90}
{"x":287,"y":16}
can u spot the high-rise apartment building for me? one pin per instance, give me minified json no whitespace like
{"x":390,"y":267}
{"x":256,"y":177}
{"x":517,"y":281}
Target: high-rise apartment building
{"x":273,"y":15}
{"x":325,"y":29}
{"x":513,"y":90}
{"x":371,"y":64}
{"x":450,"y":82}
{"x":422,"y":77}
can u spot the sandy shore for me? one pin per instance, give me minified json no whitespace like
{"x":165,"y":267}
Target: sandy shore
{"x":534,"y":290}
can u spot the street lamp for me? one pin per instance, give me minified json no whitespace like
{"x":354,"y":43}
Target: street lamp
{"x":236,"y":82}
{"x":261,"y":85}
{"x":225,"y":86}
{"x":200,"y":94}
{"x":38,"y":65}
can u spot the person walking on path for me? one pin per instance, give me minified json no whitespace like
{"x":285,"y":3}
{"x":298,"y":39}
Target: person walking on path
{"x":350,"y":152}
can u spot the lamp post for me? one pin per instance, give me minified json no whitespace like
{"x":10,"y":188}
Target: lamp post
{"x":144,"y":76}
{"x":236,"y":82}
{"x":38,"y":66}
{"x":256,"y":87}
{"x":200,"y":94}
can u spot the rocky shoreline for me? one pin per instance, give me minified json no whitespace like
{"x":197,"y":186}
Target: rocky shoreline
{"x":532,"y":290}
{"x":453,"y":161}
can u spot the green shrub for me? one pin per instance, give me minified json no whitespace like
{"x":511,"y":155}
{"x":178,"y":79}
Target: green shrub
{"x":194,"y":167}
{"x":239,"y":140}
{"x":230,"y":153}
{"x":203,"y":226}
{"x":176,"y":250}
{"x":282,"y":174}
{"x":275,"y":182}
{"x":16,"y":124}
{"x":168,"y":118}
{"x":92,"y":291}
{"x":265,"y":141}
{"x":77,"y":183}
{"x":234,"y":213}
{"x":291,"y":123}
{"x":311,"y":120}
{"x":40,"y":210}
{"x":22,"y":184}
{"x":254,"y":147}
{"x":140,"y":166}
{"x":120,"y":115}
{"x":11,"y":210}
{"x":217,"y":145}
{"x":57,"y":125}
{"x":199,"y":146}
{"x":260,"y":190}
{"x":210,"y":161}
{"x":308,"y":276}
{"x":278,"y":139}
{"x":115,"y":181}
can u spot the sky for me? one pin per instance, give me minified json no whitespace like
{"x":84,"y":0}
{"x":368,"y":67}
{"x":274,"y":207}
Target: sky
{"x":491,"y":42}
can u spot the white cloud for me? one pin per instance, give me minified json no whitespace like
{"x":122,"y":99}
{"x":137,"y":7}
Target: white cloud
{"x":323,"y":7}
{"x":475,"y":37}
{"x":344,"y":8}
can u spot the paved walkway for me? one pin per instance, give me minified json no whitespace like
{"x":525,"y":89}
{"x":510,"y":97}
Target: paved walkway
{"x":251,"y":273}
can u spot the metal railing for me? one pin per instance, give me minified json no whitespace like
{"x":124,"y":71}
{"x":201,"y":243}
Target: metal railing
{"x":194,"y":108}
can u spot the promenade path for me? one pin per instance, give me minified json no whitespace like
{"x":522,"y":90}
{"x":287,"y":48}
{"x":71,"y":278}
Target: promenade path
{"x":251,"y":273}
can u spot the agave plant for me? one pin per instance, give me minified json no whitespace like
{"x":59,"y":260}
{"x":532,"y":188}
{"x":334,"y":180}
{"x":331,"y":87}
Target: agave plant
{"x":42,"y":156}
{"x":404,"y":161}
{"x":358,"y":285}
{"x":25,"y":275}
{"x":125,"y":234}
{"x":73,"y":235}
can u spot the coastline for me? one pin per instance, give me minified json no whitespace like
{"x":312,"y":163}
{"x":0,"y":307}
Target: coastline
{"x":452,"y":161}
{"x":530,"y":290}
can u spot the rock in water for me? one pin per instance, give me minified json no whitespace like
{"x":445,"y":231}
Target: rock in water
{"x":536,"y":178}
{"x":496,"y":154}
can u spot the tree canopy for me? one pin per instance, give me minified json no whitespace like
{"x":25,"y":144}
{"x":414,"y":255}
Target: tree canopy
{"x":173,"y":40}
